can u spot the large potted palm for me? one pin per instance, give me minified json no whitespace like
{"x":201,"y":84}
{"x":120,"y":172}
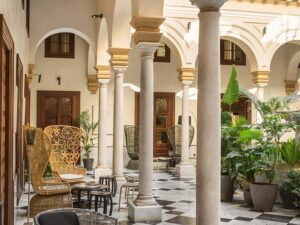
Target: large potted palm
{"x":87,"y":139}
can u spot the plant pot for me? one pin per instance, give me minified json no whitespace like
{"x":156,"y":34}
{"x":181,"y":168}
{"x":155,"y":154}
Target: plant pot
{"x":287,"y":198}
{"x":227,"y":188}
{"x":248,"y":198}
{"x":88,"y":164}
{"x":263,"y":196}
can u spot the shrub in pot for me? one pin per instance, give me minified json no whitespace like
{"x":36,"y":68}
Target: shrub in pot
{"x":87,"y":139}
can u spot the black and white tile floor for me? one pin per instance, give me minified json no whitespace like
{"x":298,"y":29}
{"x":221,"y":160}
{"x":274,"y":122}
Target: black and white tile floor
{"x":177,"y":198}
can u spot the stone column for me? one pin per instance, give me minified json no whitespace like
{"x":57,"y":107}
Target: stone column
{"x":119,"y":63}
{"x":290,"y":86}
{"x":261,"y":80}
{"x":103,"y":76}
{"x":147,"y":36}
{"x":185,"y":168}
{"x":208,"y":115}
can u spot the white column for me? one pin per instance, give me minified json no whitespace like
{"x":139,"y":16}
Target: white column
{"x":118,"y":128}
{"x":208,"y":115}
{"x":184,"y":168}
{"x":145,"y":208}
{"x":102,"y":167}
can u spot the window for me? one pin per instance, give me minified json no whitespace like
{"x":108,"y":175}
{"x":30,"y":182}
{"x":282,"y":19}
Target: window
{"x":60,"y":45}
{"x":232,"y":54}
{"x":162,"y":53}
{"x":28,"y":17}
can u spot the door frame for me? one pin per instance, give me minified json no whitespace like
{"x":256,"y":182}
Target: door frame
{"x":6,"y":41}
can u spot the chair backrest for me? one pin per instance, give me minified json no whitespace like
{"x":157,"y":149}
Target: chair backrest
{"x":59,"y":218}
{"x":41,"y":151}
{"x":132,"y":141}
{"x":174,"y":136}
{"x":65,"y":142}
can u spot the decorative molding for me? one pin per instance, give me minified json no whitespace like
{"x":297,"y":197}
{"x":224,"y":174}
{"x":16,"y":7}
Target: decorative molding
{"x":93,"y":84}
{"x":290,"y":86}
{"x":261,"y":77}
{"x":275,"y":2}
{"x":147,"y":28}
{"x":103,"y":72}
{"x":119,"y":56}
{"x":186,"y":74}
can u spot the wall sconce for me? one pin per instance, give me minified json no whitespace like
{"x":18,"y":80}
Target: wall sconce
{"x":100,"y":16}
{"x":39,"y":77}
{"x":58,"y":79}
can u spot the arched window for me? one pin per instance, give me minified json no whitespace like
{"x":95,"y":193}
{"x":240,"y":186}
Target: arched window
{"x":60,"y":45}
{"x":232,"y":54}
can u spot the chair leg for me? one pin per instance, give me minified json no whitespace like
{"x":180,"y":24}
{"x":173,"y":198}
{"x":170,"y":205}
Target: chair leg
{"x":105,"y":205}
{"x":90,"y":202}
{"x":96,"y":203}
{"x":120,"y":198}
{"x":111,"y":205}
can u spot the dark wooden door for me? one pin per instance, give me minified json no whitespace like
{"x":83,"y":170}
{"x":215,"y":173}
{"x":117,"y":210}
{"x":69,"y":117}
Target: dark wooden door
{"x":57,"y":108}
{"x":19,"y":136}
{"x":6,"y":123}
{"x":163,"y":119}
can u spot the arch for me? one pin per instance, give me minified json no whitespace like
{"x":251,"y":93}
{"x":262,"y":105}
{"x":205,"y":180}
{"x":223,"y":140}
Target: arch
{"x":60,"y":30}
{"x":292,"y":68}
{"x":103,"y":45}
{"x":280,"y":31}
{"x":246,"y":38}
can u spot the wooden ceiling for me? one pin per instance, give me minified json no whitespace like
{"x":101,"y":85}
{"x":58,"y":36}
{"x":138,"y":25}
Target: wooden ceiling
{"x":275,"y":2}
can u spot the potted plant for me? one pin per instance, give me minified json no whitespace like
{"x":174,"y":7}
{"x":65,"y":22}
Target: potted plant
{"x":290,"y":188}
{"x":87,"y":139}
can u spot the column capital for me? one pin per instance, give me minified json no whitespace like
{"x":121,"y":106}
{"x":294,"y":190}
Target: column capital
{"x":186,"y":75}
{"x":92,"y":83}
{"x":119,"y":70}
{"x":208,"y":5}
{"x":261,"y":78}
{"x":103,"y":73}
{"x":119,"y":56}
{"x":290,"y":86}
{"x":147,"y":48}
{"x":147,"y":28}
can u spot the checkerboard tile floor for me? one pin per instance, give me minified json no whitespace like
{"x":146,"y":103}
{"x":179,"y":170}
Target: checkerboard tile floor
{"x":177,"y":198}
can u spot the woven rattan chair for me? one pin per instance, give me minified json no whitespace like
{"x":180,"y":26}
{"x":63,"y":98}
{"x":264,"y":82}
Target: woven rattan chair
{"x":132,"y":141}
{"x":174,"y":136}
{"x":85,"y":217}
{"x":66,"y":152}
{"x":39,"y":160}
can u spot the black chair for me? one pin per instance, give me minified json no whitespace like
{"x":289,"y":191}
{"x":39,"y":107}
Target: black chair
{"x":105,"y":197}
{"x":59,"y":218}
{"x":111,"y":182}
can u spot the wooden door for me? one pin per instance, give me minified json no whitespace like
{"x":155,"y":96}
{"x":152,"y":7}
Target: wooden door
{"x":19,"y":135}
{"x":163,"y":119}
{"x":6,"y":124}
{"x":57,"y":108}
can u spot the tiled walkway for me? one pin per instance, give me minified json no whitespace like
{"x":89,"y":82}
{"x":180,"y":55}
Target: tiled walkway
{"x":177,"y":197}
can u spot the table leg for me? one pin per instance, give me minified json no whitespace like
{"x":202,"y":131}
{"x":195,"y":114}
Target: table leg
{"x":79,"y":198}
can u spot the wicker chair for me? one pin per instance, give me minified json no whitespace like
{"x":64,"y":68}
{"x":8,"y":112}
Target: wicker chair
{"x":85,"y":217}
{"x":66,"y":152}
{"x":132,"y":141}
{"x":174,"y":136}
{"x":39,"y":161}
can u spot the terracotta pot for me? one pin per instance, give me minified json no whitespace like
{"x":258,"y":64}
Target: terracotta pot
{"x":248,"y":198}
{"x":287,"y":198}
{"x":227,"y":188}
{"x":263,"y":196}
{"x":88,"y":164}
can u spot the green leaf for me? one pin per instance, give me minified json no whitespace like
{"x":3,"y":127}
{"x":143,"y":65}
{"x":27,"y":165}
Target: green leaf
{"x":232,"y":91}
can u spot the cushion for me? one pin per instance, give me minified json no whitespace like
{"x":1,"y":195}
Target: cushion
{"x":70,"y":176}
{"x":59,"y":218}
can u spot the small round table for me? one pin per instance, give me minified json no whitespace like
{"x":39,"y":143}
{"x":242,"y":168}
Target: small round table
{"x":88,"y":187}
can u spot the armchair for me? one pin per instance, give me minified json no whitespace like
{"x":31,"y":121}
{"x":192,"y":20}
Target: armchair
{"x":66,"y":152}
{"x":39,"y":161}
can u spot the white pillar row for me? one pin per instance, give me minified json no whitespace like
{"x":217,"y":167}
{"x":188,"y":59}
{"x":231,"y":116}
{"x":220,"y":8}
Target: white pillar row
{"x":147,"y":36}
{"x":119,"y":63}
{"x":185,"y":168}
{"x":261,"y":80}
{"x":208,"y":115}
{"x":103,"y":76}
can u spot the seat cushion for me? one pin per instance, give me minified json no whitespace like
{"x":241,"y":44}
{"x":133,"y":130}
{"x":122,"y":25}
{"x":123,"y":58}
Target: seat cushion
{"x":59,"y":218}
{"x":70,"y":176}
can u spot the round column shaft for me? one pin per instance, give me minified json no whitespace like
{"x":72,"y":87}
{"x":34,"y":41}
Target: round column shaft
{"x":185,"y":125}
{"x":208,"y":122}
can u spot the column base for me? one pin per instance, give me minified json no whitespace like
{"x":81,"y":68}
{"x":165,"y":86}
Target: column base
{"x":147,"y":213}
{"x":185,"y":170}
{"x":102,"y":171}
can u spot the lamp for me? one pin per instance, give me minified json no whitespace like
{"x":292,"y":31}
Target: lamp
{"x":39,"y":76}
{"x":58,"y":79}
{"x":30,"y":141}
{"x":100,"y":16}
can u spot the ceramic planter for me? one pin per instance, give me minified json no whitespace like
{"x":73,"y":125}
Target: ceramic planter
{"x":263,"y":196}
{"x":227,"y":188}
{"x":88,"y":164}
{"x":287,"y":198}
